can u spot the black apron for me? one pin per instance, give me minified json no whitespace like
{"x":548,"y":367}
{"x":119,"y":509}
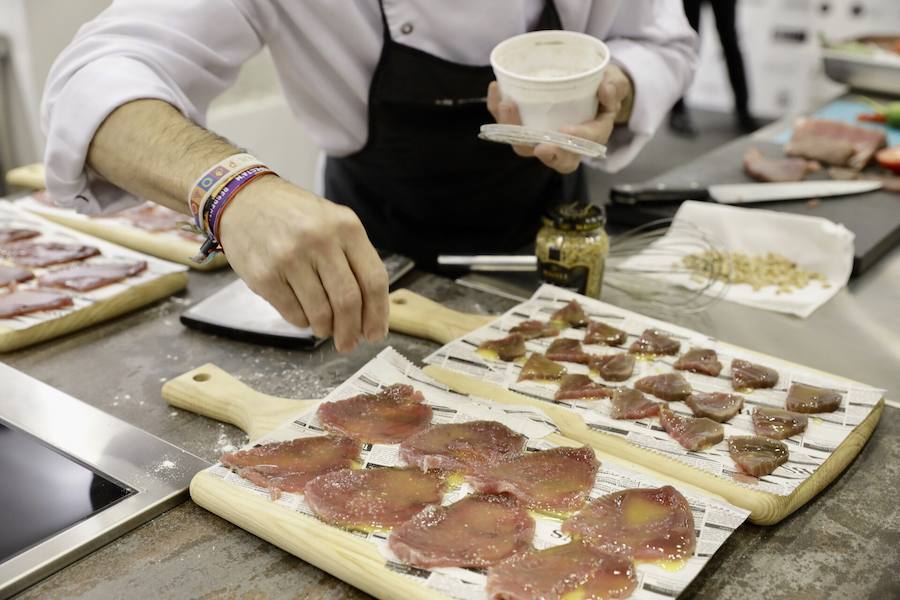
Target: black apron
{"x":425,"y":184}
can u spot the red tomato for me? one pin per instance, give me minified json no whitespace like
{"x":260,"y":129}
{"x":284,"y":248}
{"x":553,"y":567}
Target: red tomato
{"x":889,"y":158}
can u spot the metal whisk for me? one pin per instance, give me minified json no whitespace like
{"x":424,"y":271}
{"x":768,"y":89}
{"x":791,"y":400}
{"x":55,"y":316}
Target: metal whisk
{"x":646,"y":264}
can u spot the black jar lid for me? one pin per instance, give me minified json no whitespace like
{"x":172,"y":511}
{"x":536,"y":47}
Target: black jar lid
{"x":575,"y":217}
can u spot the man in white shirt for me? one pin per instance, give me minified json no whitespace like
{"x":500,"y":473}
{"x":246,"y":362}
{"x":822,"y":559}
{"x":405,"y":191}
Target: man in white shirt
{"x":392,"y":90}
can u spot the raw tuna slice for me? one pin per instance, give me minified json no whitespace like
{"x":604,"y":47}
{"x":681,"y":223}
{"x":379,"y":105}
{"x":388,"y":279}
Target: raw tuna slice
{"x":14,"y":234}
{"x":392,"y":415}
{"x":654,"y":341}
{"x":555,"y":481}
{"x":26,"y":302}
{"x":803,"y":398}
{"x":46,"y":254}
{"x":540,"y":368}
{"x":152,"y":217}
{"x":628,"y":403}
{"x":601,"y":333}
{"x":373,"y":498}
{"x":462,"y":447}
{"x":571,"y":314}
{"x":478,"y":531}
{"x":694,"y":433}
{"x":90,"y":276}
{"x":671,"y":387}
{"x":778,"y":424}
{"x":613,"y":367}
{"x":650,"y":524}
{"x":835,"y":143}
{"x":289,"y":466}
{"x":581,"y":387}
{"x":763,"y":168}
{"x":509,"y":348}
{"x":572,"y":571}
{"x":716,"y":406}
{"x":535,"y":329}
{"x":568,"y":350}
{"x":10,"y":275}
{"x":700,"y":360}
{"x":747,"y":375}
{"x":757,"y":456}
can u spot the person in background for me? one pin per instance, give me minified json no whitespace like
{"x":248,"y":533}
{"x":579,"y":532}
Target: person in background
{"x":725,"y":12}
{"x":393,"y":91}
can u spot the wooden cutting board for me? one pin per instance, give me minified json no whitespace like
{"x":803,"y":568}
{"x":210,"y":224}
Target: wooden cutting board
{"x":414,"y":315}
{"x":212,"y":392}
{"x":162,"y":245}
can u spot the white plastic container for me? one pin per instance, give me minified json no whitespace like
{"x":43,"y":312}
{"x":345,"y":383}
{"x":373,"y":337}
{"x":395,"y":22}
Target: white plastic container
{"x":552,"y":76}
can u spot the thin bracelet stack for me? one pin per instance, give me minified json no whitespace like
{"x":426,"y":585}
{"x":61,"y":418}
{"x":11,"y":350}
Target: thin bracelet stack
{"x":213,"y":191}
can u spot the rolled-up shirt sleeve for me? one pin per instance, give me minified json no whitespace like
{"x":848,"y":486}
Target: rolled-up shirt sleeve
{"x":652,"y":41}
{"x":184,"y":52}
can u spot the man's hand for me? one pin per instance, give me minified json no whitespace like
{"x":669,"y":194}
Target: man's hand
{"x":614,"y":93}
{"x":310,"y":258}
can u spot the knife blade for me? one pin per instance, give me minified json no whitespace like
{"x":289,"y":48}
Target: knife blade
{"x":740,"y":193}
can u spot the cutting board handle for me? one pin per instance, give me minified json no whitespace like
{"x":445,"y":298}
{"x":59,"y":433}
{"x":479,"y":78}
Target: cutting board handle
{"x":420,"y":317}
{"x":213,"y":393}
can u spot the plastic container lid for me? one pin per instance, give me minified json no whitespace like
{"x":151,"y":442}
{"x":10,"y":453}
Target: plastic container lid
{"x":519,"y":135}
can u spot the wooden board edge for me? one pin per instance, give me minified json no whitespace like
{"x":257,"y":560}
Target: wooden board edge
{"x":165,"y":247}
{"x":99,"y":311}
{"x":765,"y":508}
{"x":347,"y":557}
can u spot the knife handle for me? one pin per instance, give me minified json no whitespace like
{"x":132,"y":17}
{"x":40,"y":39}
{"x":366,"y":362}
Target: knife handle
{"x":627,"y":193}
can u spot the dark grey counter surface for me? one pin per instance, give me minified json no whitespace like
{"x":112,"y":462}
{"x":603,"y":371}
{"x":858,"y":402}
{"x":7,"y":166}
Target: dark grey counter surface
{"x":844,"y":544}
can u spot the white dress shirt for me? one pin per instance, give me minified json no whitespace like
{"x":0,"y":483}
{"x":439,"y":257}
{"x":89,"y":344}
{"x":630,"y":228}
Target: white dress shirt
{"x":187,"y":52}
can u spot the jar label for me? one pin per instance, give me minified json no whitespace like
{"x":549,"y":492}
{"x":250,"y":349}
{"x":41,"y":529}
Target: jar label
{"x":571,"y":278}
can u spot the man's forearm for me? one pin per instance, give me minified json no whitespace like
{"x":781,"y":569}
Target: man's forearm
{"x":150,"y":149}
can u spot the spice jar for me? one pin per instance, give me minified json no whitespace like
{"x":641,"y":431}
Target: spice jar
{"x":572,"y":247}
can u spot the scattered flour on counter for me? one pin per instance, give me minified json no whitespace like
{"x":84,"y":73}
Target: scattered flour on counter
{"x":174,"y":413}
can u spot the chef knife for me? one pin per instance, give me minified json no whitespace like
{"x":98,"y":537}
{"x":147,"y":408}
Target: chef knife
{"x":739,"y":193}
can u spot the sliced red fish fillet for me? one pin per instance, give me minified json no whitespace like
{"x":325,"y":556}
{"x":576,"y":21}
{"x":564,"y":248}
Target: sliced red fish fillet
{"x":763,"y":168}
{"x":642,"y":524}
{"x":567,"y":349}
{"x":461,"y":447}
{"x":632,"y":404}
{"x":671,"y":387}
{"x":10,"y":275}
{"x":535,"y":329}
{"x":90,"y":276}
{"x":288,"y":466}
{"x":835,"y":142}
{"x":803,"y":398}
{"x":716,"y":406}
{"x":613,"y":367}
{"x":45,"y":254}
{"x":601,"y":333}
{"x":747,"y":375}
{"x":152,"y":217}
{"x":555,"y":481}
{"x":508,"y":348}
{"x":581,"y":387}
{"x":14,"y":234}
{"x":373,"y":498}
{"x":755,"y":455}
{"x":700,"y":360}
{"x":539,"y":367}
{"x":571,"y":314}
{"x":392,"y":415}
{"x":654,"y":341}
{"x":25,"y":302}
{"x":778,"y":424}
{"x":573,"y":570}
{"x":478,"y":531}
{"x":694,"y":433}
